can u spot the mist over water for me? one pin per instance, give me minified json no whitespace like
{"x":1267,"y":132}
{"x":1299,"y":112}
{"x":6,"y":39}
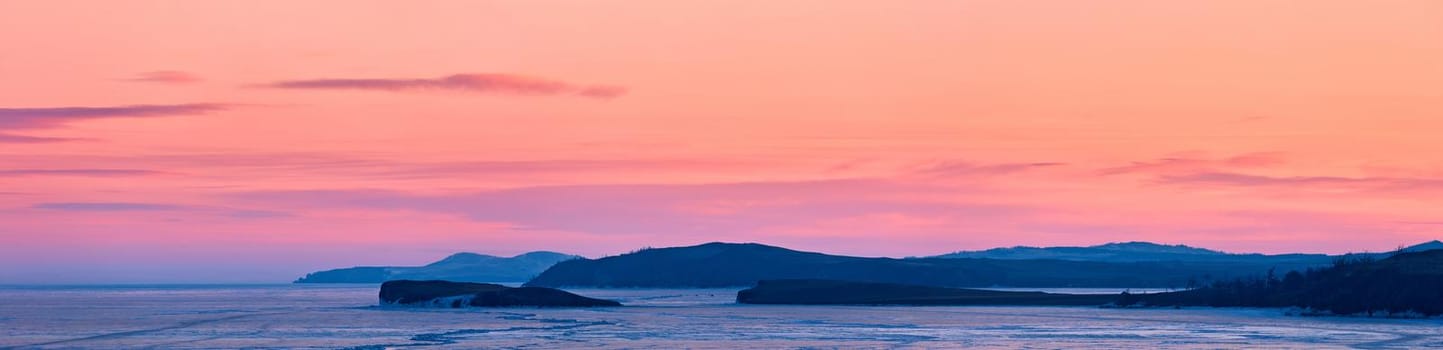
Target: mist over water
{"x":347,"y":316}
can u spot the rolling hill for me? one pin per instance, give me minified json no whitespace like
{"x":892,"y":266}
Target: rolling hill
{"x":459,"y":267}
{"x":1407,"y":283}
{"x":743,"y":264}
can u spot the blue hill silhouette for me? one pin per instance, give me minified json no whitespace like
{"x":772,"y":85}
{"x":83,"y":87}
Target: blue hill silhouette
{"x":743,"y":264}
{"x":460,"y":267}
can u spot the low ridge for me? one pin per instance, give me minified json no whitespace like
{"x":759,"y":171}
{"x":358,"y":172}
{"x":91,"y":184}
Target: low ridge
{"x":465,"y":267}
{"x":448,"y":294}
{"x":743,"y":264}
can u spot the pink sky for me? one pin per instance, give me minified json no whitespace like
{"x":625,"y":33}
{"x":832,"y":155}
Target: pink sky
{"x":258,"y":140}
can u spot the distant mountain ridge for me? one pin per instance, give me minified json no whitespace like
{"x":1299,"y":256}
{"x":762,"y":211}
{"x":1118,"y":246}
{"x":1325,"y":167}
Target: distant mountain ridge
{"x":1406,"y":283}
{"x":1425,"y":246}
{"x":1122,"y":264}
{"x":743,"y":264}
{"x":1148,"y":251}
{"x":1128,"y":264}
{"x":1123,"y":251}
{"x":459,"y":267}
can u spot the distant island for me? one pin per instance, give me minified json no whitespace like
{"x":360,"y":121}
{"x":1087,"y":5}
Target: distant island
{"x":460,"y":267}
{"x":1405,"y":284}
{"x":831,"y":292}
{"x":1139,"y":252}
{"x":1148,"y":251}
{"x":743,"y":264}
{"x":1125,"y":265}
{"x":447,"y":294}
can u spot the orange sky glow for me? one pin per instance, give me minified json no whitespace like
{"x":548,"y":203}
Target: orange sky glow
{"x":258,"y":140}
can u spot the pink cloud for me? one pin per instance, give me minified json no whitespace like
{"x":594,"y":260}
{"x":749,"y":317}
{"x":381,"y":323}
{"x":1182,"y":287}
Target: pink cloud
{"x":1307,"y":182}
{"x":53,"y":117}
{"x":49,"y":117}
{"x":1260,"y":159}
{"x":1281,"y":230}
{"x":165,"y":77}
{"x":1227,"y":172}
{"x":106,"y":206}
{"x":709,"y":210}
{"x":485,"y":168}
{"x":1186,"y":165}
{"x":961,"y":168}
{"x":77,"y":172}
{"x":363,"y":166}
{"x":12,"y":138}
{"x":602,"y":91}
{"x":477,"y":83}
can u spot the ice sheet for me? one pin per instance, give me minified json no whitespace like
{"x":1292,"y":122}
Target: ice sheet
{"x":327,"y":316}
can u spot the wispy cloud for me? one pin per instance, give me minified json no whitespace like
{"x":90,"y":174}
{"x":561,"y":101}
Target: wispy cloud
{"x":533,"y":167}
{"x":1324,"y":182}
{"x":1173,"y":165}
{"x":12,"y":138}
{"x":49,"y":117}
{"x":165,"y":77}
{"x":160,"y":207}
{"x":106,"y":206}
{"x":258,"y":214}
{"x":489,"y":83}
{"x":77,"y":172}
{"x":963,"y":168}
{"x":690,"y":209}
{"x":1425,"y":223}
{"x":602,"y":91}
{"x":1243,"y":171}
{"x":366,"y":165}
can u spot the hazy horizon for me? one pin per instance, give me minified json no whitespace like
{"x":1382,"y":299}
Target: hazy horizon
{"x":253,"y":141}
{"x":281,"y":274}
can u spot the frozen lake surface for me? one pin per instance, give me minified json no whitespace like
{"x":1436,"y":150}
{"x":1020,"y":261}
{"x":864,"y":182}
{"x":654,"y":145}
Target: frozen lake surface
{"x":346,"y":316}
